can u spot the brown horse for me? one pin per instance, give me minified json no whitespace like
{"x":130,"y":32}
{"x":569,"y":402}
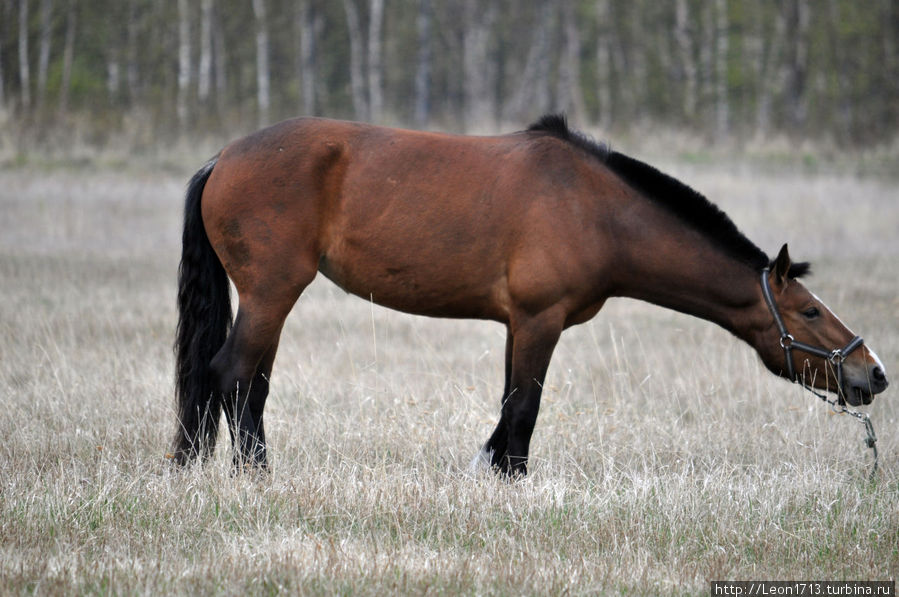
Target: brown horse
{"x":534,"y":229}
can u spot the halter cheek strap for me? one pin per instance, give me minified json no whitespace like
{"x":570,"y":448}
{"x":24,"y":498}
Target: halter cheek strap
{"x":836,"y":356}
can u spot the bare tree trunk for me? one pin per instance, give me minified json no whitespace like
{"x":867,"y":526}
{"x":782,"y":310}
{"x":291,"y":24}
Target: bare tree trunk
{"x":262,"y":73}
{"x":841,"y":103}
{"x":219,"y":64}
{"x":706,"y":78}
{"x":357,"y":81}
{"x":68,"y":55}
{"x":532,"y":94}
{"x":375,"y":70}
{"x":423,"y":67}
{"x":132,"y":76}
{"x":771,"y":74}
{"x":183,"y":61}
{"x":687,"y":62}
{"x":661,"y":55}
{"x":630,"y":67}
{"x":604,"y":62}
{"x":797,"y":31}
{"x":891,"y":20}
{"x":722,"y":106}
{"x":306,"y":28}
{"x":2,"y":89}
{"x":24,"y":72}
{"x":891,"y":64}
{"x":43,"y":61}
{"x":113,"y":76}
{"x":477,"y":68}
{"x":204,"y":70}
{"x":569,"y":97}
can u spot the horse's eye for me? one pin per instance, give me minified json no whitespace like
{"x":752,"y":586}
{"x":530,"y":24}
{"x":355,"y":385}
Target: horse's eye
{"x":811,"y":313}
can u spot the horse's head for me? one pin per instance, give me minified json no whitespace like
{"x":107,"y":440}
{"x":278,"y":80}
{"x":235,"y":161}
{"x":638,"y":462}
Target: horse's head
{"x":806,"y":342}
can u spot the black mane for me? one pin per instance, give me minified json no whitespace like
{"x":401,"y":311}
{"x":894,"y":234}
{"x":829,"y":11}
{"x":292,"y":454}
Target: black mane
{"x":671,"y":194}
{"x":557,"y":126}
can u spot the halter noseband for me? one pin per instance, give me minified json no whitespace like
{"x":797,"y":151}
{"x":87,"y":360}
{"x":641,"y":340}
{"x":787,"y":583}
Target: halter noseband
{"x":788,"y":343}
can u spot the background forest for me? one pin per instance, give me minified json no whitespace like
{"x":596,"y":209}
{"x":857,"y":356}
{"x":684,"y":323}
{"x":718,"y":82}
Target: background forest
{"x":826,"y":70}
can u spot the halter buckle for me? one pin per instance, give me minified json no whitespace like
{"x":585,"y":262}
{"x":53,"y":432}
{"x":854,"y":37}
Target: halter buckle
{"x":836,"y":356}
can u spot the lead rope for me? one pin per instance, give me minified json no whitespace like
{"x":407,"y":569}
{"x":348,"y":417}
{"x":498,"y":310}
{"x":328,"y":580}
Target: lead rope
{"x":836,"y":407}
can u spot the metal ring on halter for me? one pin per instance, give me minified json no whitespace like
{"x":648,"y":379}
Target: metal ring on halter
{"x":836,"y":356}
{"x":786,"y":341}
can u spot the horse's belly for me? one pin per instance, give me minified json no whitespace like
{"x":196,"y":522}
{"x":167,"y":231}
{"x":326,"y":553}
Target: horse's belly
{"x":448,"y":290}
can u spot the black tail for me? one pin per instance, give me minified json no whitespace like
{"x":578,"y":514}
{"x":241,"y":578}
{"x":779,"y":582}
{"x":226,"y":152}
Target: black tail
{"x":204,"y":319}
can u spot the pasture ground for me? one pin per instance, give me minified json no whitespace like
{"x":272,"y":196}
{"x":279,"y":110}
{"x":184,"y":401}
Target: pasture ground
{"x":665,"y":456}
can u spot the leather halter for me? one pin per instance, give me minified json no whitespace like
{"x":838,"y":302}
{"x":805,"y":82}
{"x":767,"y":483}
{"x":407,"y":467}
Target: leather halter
{"x":788,"y":343}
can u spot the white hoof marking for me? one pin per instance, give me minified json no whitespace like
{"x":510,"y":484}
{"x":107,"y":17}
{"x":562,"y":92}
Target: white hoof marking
{"x":482,"y":461}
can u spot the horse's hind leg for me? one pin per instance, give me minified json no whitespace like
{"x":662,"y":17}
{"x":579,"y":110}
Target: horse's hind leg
{"x":242,"y":368}
{"x":255,"y":403}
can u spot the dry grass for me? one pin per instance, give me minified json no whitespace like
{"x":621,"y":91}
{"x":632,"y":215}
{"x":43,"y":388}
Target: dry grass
{"x":664,"y":455}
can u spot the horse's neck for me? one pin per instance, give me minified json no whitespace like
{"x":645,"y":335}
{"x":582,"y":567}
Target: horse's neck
{"x":672,"y":265}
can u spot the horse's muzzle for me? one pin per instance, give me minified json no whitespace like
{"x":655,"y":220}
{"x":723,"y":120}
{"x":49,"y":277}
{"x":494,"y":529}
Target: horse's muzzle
{"x":862,"y":391}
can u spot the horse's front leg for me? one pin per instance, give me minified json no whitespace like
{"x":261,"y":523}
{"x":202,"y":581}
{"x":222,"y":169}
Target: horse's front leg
{"x":531,"y":344}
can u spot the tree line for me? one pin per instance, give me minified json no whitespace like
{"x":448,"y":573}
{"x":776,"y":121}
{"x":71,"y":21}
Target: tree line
{"x":727,"y":68}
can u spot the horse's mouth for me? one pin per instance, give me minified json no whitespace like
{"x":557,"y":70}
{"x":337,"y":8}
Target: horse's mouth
{"x":856,"y":396}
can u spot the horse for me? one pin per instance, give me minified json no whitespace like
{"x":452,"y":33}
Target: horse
{"x":533,"y":229}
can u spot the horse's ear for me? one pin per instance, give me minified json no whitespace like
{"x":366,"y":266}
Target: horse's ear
{"x":782,"y":265}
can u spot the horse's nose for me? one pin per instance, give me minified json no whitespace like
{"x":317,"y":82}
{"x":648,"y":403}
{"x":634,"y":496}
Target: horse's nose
{"x":879,"y":379}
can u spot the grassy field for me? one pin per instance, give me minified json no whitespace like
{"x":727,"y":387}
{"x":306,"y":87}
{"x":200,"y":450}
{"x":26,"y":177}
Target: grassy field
{"x":664,"y":456}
